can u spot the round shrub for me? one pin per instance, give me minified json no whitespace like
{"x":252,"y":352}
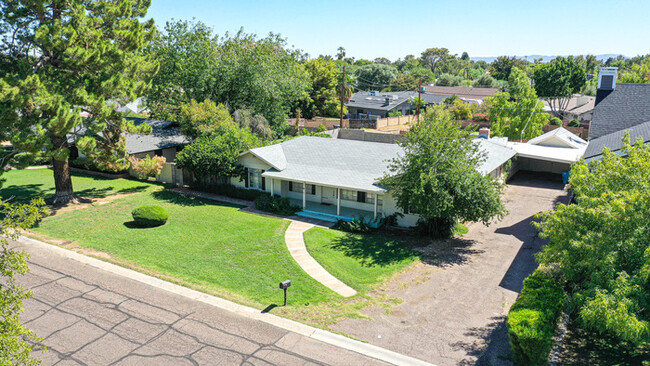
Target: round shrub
{"x":150,"y":216}
{"x":556,"y":121}
{"x":574,"y":123}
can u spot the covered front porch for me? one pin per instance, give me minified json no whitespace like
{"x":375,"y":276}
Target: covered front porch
{"x":329,"y":212}
{"x":329,"y":203}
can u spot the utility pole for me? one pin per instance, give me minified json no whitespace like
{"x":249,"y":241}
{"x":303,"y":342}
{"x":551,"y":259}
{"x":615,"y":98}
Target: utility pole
{"x":419,"y":96}
{"x":341,"y":97}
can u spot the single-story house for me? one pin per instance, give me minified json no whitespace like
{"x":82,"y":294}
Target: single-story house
{"x":335,"y":178}
{"x":374,"y":104}
{"x":580,"y":107}
{"x":614,"y":141}
{"x":552,"y":152}
{"x":619,"y":106}
{"x":466,"y":93}
{"x":165,"y":139}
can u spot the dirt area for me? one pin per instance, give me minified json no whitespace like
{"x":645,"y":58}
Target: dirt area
{"x":93,"y":202}
{"x":454,"y":307}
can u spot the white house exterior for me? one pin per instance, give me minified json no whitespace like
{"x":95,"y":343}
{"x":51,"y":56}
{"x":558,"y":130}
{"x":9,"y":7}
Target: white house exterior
{"x":330,"y":178}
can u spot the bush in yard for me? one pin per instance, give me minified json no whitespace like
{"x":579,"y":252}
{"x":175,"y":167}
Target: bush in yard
{"x":574,"y":123}
{"x":533,"y":318}
{"x":277,"y":205}
{"x":357,"y":225}
{"x":150,"y":216}
{"x":147,"y":167}
{"x":556,"y":121}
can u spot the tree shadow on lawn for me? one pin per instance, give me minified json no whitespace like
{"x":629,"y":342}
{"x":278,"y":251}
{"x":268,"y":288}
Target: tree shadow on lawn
{"x":384,"y":249}
{"x":25,"y":192}
{"x":186,"y":200}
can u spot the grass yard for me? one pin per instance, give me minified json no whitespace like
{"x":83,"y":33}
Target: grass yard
{"x":361,"y":261}
{"x":26,"y":184}
{"x":217,"y":248}
{"x":212,"y":246}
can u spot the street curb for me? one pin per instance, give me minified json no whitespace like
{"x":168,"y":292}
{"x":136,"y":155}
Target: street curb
{"x":324,"y":336}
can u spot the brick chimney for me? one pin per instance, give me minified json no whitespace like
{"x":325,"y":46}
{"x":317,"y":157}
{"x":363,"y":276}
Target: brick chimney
{"x":606,"y":82}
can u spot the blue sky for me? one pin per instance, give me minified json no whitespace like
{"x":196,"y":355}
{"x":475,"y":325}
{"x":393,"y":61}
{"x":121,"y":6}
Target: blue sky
{"x":393,"y":29}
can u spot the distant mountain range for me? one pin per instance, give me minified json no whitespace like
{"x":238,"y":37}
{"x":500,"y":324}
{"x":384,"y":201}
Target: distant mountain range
{"x":532,"y":58}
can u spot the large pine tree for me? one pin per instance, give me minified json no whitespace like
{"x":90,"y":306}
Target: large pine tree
{"x":61,"y":58}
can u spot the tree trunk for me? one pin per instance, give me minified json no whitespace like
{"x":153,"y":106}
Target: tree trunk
{"x":62,"y":179}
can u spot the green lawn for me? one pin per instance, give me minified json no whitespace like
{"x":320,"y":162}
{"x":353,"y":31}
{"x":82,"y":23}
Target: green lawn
{"x":26,"y":184}
{"x":359,"y":260}
{"x":214,"y":246}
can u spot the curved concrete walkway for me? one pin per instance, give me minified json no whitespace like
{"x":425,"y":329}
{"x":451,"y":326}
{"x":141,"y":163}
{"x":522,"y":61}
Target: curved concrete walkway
{"x":296,"y":244}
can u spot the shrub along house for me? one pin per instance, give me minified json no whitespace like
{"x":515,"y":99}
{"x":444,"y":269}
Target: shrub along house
{"x":333,"y":178}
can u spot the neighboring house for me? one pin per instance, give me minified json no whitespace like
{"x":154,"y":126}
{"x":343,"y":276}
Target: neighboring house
{"x":374,"y":104}
{"x":619,"y":106}
{"x":614,"y":141}
{"x":552,"y":152}
{"x":337,"y":178}
{"x":466,"y":93}
{"x":165,"y":139}
{"x":137,"y":106}
{"x":580,"y":107}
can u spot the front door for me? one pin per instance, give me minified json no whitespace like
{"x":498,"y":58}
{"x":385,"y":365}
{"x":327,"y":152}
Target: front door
{"x":328,"y":195}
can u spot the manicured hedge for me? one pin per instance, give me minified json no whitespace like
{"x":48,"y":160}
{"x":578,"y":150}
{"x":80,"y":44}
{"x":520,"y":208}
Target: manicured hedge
{"x":533,"y":318}
{"x":276,"y":204}
{"x":150,"y":216}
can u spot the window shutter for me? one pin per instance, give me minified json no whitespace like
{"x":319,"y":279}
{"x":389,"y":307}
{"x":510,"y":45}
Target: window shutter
{"x":246,"y":178}
{"x":313,"y":189}
{"x":263,"y":181}
{"x":361,"y":196}
{"x":290,"y":186}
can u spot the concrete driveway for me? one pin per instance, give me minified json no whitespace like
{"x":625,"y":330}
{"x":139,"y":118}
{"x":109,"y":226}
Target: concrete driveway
{"x":88,"y":316}
{"x":454,"y":309}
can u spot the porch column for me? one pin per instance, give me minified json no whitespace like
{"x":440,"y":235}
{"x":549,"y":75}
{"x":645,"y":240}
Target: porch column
{"x":272,"y":186}
{"x":338,"y":202}
{"x":376,"y":196}
{"x":304,"y":196}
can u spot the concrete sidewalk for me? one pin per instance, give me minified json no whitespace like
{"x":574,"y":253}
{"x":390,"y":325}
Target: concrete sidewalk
{"x":92,"y":312}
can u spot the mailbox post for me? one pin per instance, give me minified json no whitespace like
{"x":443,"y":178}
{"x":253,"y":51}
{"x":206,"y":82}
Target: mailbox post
{"x":285,"y":285}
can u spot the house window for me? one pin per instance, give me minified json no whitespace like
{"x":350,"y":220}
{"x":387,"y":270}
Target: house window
{"x":361,"y":197}
{"x":158,"y":152}
{"x":311,"y":189}
{"x":295,"y":187}
{"x":255,"y":178}
{"x":348,"y":195}
{"x":370,"y":198}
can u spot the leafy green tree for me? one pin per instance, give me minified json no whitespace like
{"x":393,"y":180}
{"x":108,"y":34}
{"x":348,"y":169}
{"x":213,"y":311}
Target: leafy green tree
{"x":188,"y":54}
{"x":502,"y":65}
{"x":323,"y":97}
{"x":437,"y":176}
{"x":256,"y":123}
{"x":601,"y":245}
{"x":434,"y":57}
{"x":85,"y":53}
{"x":340,"y":55}
{"x":216,"y":154}
{"x":448,"y":80}
{"x":517,"y":114}
{"x":204,"y":118}
{"x":558,"y":80}
{"x":637,"y":73}
{"x":404,"y":82}
{"x":485,"y":81}
{"x":240,"y":70}
{"x":375,"y":76}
